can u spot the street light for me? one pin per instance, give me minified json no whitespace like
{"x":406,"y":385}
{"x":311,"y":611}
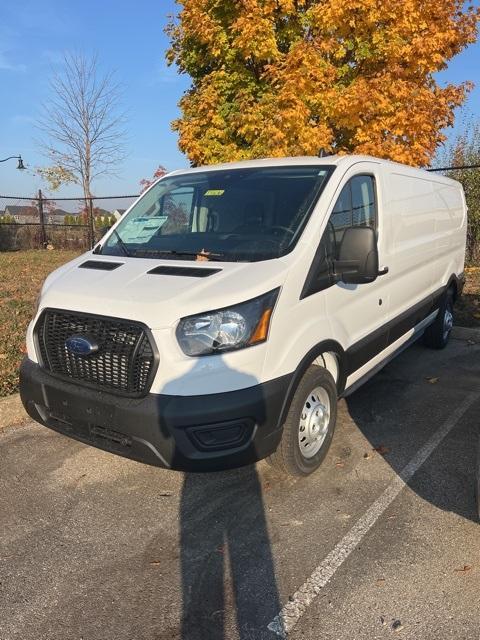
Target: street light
{"x":20,"y":164}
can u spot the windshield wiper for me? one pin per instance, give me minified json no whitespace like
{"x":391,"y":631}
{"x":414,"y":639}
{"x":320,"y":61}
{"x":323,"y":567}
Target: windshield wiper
{"x":171,"y":252}
{"x":122,"y":244}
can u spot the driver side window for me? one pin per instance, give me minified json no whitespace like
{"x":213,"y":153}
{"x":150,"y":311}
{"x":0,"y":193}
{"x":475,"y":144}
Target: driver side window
{"x":355,"y":207}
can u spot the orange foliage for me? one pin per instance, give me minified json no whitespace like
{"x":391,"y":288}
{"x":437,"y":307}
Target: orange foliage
{"x":289,"y":77}
{"x":145,"y":183}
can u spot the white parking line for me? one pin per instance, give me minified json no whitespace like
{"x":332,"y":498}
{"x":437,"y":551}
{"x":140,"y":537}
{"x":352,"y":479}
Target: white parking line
{"x":291,"y":613}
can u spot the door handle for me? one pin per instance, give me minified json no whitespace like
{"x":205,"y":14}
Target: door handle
{"x":382,"y":271}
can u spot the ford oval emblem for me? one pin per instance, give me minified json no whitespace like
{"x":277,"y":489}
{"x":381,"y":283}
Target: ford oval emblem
{"x":81,"y":345}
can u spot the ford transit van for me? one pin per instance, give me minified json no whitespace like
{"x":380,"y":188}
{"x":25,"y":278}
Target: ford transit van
{"x":221,"y":318}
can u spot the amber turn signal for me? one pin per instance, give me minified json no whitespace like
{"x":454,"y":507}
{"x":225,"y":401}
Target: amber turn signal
{"x":261,"y":330}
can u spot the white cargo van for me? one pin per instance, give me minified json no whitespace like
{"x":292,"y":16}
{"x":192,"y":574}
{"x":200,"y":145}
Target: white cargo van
{"x":221,"y":318}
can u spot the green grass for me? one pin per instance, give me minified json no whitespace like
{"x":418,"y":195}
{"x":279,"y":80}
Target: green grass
{"x":23,"y":272}
{"x":467,"y":309}
{"x":21,"y":276}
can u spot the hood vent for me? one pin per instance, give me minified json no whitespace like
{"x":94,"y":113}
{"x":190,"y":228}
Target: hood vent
{"x":101,"y":265}
{"x":187,"y":272}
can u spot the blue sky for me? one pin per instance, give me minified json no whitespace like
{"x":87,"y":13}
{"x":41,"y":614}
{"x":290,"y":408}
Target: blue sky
{"x":128,"y":37}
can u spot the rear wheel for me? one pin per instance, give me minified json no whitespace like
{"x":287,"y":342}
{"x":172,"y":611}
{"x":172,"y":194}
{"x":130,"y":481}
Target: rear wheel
{"x":309,"y":426}
{"x":436,"y":336}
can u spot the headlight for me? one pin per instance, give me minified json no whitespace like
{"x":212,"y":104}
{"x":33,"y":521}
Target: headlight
{"x":235,"y":327}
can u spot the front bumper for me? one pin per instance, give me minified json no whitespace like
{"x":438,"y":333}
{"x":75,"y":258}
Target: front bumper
{"x":188,"y":433}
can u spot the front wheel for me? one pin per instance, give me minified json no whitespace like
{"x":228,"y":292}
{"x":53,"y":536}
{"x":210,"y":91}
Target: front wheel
{"x":309,"y":426}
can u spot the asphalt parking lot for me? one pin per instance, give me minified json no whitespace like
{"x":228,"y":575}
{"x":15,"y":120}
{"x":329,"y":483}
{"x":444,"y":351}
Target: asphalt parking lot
{"x":382,"y":541}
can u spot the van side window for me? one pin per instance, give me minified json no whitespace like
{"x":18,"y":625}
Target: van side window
{"x":363,"y":201}
{"x":355,"y":207}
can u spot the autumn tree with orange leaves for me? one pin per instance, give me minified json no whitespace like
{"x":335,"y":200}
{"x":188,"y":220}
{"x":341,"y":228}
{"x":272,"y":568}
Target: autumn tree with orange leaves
{"x":290,"y":77}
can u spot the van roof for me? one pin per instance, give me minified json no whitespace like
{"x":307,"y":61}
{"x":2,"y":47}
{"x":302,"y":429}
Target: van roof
{"x":336,"y":160}
{"x":277,"y":162}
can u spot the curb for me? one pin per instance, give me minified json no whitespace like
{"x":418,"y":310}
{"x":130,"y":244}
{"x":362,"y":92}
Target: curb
{"x":11,"y":411}
{"x":466,"y":333}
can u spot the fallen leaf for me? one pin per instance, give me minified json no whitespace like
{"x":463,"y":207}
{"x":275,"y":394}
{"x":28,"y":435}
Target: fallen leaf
{"x":380,"y":581}
{"x":367,"y":456}
{"x":381,"y":449}
{"x":397,"y":625}
{"x":339,"y":464}
{"x":344,"y":516}
{"x":165,"y":494}
{"x":464,"y":569}
{"x":432,"y":380}
{"x":202,"y":256}
{"x":155,"y":563}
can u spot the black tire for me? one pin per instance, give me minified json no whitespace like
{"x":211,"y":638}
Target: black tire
{"x":436,"y":336}
{"x":288,"y":458}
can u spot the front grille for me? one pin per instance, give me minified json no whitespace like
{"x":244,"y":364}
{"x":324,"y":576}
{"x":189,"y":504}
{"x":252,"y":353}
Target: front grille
{"x":123,"y":363}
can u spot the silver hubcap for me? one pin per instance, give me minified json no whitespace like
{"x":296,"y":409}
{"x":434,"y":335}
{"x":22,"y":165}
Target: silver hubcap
{"x":447,"y":322}
{"x":314,"y":422}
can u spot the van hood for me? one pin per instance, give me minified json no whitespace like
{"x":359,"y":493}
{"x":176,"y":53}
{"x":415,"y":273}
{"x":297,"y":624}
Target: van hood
{"x":158,"y":300}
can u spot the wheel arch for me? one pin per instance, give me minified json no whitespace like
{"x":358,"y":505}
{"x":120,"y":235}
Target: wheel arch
{"x":326,"y":346}
{"x":455,"y":283}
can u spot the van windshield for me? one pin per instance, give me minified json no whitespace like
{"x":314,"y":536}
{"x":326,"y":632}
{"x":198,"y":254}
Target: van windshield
{"x":229,"y":215}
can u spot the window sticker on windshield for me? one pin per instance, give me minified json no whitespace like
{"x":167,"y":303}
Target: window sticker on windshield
{"x":214,"y":192}
{"x":144,"y":227}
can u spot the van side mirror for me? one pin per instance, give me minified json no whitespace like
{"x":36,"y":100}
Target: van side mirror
{"x":357,"y":256}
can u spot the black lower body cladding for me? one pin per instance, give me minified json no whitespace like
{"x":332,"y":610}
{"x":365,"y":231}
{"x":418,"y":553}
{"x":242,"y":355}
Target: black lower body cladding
{"x":193,"y":433}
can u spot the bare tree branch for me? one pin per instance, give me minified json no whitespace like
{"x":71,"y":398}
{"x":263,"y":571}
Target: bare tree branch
{"x":82,"y":129}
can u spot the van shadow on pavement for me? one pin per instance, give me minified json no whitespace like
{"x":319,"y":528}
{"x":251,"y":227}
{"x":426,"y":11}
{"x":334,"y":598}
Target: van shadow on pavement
{"x":227,"y":569}
{"x":226,"y":559}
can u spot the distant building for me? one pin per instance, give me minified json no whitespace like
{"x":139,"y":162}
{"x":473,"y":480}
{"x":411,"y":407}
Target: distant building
{"x":29,"y":214}
{"x":57,"y":216}
{"x":118,"y":213}
{"x":23,"y":214}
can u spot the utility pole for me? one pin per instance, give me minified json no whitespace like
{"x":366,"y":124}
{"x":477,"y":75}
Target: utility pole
{"x":91,"y":227}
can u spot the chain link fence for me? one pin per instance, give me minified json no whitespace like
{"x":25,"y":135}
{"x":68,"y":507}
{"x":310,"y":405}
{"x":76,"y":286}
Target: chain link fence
{"x":77,"y":223}
{"x":62,"y":223}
